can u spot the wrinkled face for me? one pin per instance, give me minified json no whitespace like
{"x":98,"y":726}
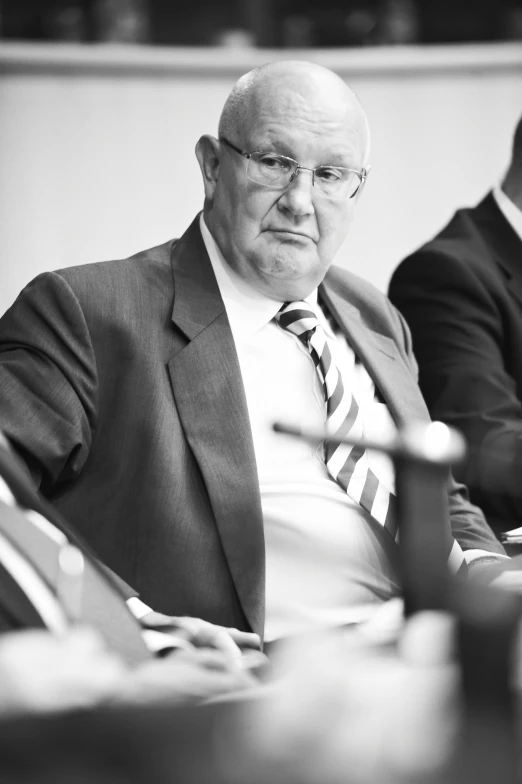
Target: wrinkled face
{"x":282,"y":242}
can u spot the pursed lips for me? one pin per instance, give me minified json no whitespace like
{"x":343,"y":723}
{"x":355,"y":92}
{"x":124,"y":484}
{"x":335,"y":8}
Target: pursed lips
{"x":276,"y":230}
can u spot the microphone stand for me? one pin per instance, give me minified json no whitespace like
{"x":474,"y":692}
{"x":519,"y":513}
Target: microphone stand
{"x":487,"y":618}
{"x":422,"y":455}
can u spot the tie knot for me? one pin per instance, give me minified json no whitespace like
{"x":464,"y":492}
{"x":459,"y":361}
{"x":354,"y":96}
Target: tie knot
{"x":297,"y":317}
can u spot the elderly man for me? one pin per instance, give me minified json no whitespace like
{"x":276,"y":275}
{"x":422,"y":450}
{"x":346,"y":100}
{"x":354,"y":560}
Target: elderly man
{"x":141,"y":392}
{"x":461,"y":294}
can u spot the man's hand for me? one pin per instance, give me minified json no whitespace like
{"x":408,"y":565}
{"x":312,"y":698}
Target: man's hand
{"x":202,"y":634}
{"x":40,"y":672}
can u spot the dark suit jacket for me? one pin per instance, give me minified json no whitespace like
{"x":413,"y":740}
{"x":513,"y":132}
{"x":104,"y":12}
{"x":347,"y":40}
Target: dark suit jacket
{"x":461,"y":295}
{"x":120,"y":385}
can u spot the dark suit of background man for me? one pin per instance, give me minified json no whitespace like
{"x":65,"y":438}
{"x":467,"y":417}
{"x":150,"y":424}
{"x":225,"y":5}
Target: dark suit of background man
{"x":462,"y":297}
{"x":141,"y":392}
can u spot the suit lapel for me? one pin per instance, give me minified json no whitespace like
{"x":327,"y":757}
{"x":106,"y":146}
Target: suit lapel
{"x":207,"y":385}
{"x":380,"y":356}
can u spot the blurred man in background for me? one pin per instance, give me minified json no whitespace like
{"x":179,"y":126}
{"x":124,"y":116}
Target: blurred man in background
{"x":141,"y":393}
{"x":461,"y":295}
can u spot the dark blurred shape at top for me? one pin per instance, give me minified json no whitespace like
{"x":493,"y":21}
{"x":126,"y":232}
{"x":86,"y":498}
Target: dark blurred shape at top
{"x":285,"y":23}
{"x":121,"y":21}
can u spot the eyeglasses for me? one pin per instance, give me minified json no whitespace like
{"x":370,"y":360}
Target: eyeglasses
{"x":278,"y":171}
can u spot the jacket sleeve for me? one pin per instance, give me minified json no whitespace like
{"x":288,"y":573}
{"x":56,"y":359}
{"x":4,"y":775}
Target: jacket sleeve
{"x":459,"y":344}
{"x":48,"y":380}
{"x":12,"y":471}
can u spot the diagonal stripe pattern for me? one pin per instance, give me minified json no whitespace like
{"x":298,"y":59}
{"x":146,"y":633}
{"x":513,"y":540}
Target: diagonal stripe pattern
{"x":347,"y":465}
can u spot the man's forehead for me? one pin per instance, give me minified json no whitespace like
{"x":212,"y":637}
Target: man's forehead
{"x":296,"y":99}
{"x":291,"y":132}
{"x":297,"y":108}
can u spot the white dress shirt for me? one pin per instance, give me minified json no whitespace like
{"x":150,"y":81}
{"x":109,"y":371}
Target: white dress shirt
{"x":327,"y":561}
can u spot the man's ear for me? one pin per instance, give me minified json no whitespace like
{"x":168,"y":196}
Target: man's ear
{"x":208,"y":155}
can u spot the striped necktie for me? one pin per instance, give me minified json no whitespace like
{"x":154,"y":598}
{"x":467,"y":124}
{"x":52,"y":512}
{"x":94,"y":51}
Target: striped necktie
{"x":347,"y":465}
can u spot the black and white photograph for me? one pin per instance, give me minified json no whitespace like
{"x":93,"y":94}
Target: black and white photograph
{"x":260,"y":392}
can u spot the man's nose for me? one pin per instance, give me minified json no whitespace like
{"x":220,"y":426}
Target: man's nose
{"x":298,"y":196}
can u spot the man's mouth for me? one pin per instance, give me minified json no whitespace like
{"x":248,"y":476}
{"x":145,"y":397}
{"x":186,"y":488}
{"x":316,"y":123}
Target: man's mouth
{"x":291,"y":235}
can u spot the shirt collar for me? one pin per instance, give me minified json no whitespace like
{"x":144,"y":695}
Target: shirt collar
{"x":248,"y":310}
{"x":509,"y":210}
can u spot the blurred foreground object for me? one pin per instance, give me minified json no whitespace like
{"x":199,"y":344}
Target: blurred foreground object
{"x":432,"y":702}
{"x":489,"y":747}
{"x":347,"y":710}
{"x":471,"y":723}
{"x":423,"y":457}
{"x":434,"y":707}
{"x":341,"y":709}
{"x":42,"y":673}
{"x":50,"y":587}
{"x":422,"y":454}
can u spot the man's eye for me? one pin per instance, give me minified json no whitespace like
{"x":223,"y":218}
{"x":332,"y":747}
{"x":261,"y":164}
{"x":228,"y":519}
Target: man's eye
{"x":328,"y":174}
{"x":273,"y":162}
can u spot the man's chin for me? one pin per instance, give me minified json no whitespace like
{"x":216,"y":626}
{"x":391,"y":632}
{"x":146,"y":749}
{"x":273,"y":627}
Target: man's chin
{"x":294,"y":263}
{"x":290,"y":289}
{"x":290,"y":273}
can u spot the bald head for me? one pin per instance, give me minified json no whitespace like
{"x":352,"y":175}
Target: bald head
{"x":288,"y":87}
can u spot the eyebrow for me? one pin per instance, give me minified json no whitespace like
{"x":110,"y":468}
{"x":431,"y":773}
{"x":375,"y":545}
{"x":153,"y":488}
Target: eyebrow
{"x":278,"y":147}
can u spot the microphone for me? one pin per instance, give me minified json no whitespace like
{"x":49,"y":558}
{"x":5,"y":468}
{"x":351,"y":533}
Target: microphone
{"x":422,"y":454}
{"x":487,"y":619}
{"x":433,"y":442}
